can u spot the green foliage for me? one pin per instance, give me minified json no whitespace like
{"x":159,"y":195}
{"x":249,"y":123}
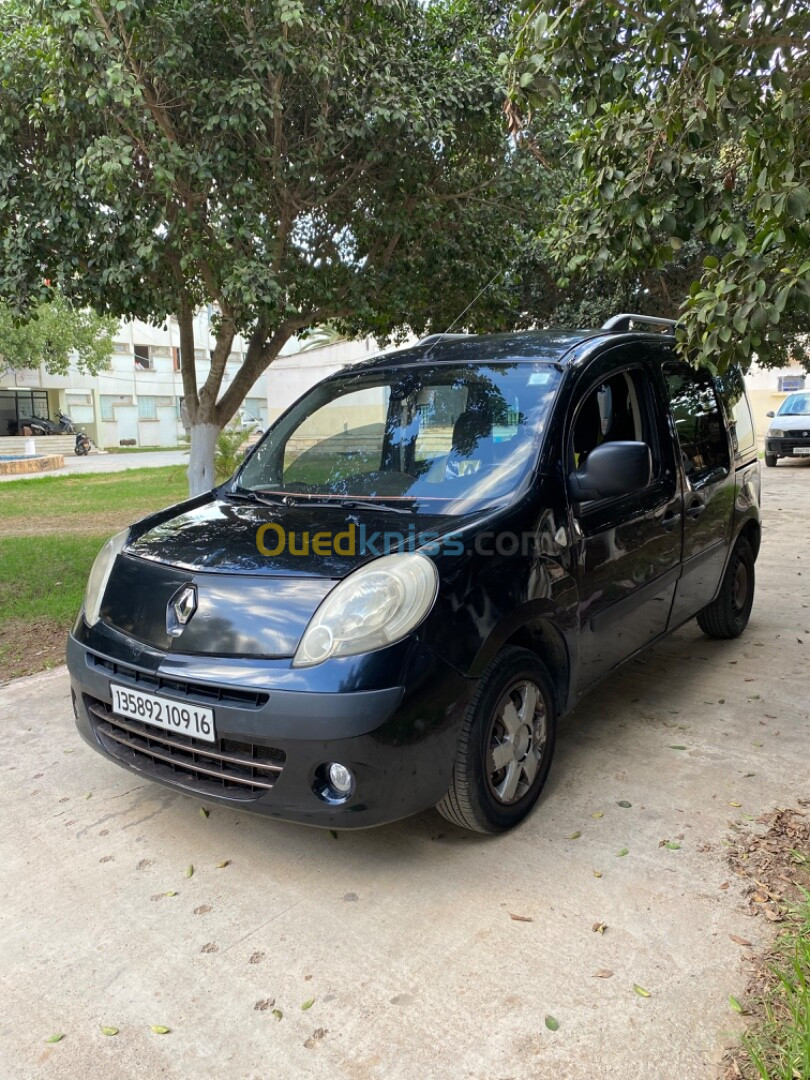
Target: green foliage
{"x":52,"y":334}
{"x":229,"y":451}
{"x":690,"y":126}
{"x":288,"y":162}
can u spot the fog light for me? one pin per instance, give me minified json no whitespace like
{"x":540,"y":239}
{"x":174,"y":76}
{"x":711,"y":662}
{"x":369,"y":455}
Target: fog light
{"x":340,"y":778}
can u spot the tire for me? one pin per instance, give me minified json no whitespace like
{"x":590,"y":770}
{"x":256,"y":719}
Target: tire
{"x":727,"y":616}
{"x":771,"y":460}
{"x":489,"y":800}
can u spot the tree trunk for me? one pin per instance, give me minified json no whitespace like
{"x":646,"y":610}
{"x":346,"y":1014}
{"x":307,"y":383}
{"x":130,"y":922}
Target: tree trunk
{"x":201,"y":476}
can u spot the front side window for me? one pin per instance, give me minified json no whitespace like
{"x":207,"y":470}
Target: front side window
{"x":698,"y":422}
{"x":615,"y":410}
{"x":445,"y":439}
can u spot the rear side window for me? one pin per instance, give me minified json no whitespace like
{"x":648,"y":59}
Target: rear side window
{"x":732,"y":391}
{"x":698,"y":421}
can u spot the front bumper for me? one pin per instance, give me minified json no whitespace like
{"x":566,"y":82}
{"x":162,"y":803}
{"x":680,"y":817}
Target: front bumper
{"x":793,"y":444}
{"x":399,"y":741}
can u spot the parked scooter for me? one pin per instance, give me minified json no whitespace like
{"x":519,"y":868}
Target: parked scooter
{"x":39,"y":425}
{"x":83,"y":444}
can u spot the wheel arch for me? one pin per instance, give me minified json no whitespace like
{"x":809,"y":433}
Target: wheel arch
{"x":752,"y":532}
{"x":547,"y":642}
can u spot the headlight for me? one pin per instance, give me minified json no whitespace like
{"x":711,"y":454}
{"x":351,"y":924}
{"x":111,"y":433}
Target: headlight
{"x":776,"y":433}
{"x":100,"y":575}
{"x":374,"y":606}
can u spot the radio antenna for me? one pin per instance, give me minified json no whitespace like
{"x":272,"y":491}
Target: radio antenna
{"x":474,"y":300}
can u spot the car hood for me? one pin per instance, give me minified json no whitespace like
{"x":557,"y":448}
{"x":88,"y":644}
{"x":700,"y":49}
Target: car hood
{"x":220,"y":536}
{"x":791,"y":423}
{"x":245,"y":603}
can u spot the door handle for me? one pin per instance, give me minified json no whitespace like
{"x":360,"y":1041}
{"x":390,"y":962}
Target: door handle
{"x":669,"y":521}
{"x":695,"y":509}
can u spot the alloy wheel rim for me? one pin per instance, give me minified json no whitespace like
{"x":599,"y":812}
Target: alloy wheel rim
{"x":517,"y":742}
{"x":740,"y":592}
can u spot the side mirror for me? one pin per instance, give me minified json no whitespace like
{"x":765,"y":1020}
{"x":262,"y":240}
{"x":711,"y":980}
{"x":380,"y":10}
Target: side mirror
{"x":610,"y":470}
{"x":770,"y":413}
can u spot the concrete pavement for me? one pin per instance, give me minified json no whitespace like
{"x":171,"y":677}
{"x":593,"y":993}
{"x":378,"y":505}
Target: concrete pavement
{"x":110,"y":463}
{"x":404,"y":935}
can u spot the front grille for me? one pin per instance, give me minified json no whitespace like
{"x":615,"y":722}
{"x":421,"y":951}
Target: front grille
{"x":240,"y":770}
{"x":202,"y":692}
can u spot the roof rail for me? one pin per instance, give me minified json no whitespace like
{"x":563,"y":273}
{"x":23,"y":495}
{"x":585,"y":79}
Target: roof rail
{"x":434,"y":339}
{"x":621,"y":323}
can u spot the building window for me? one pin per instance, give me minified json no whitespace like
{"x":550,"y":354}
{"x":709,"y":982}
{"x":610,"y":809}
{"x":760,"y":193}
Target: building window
{"x":122,"y":348}
{"x":143,"y":360}
{"x":109,"y":403}
{"x":789,"y":384}
{"x":252,"y":410}
{"x":176,"y":357}
{"x":201,"y":355}
{"x":75,"y":397}
{"x":147,"y":408}
{"x":159,"y":350}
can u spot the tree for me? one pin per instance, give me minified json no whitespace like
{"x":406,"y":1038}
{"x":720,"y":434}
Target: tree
{"x":289,"y":162}
{"x":690,"y":136}
{"x":54,"y":334}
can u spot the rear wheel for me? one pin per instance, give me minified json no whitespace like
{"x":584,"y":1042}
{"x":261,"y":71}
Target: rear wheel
{"x":771,"y":460}
{"x":505,"y":746}
{"x":727,"y":616}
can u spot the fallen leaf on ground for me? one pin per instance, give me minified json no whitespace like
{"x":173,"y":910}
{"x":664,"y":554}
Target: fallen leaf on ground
{"x":171,"y":892}
{"x":263,"y":1004}
{"x":597,"y":815}
{"x":189,"y":870}
{"x":624,"y":804}
{"x":55,"y":1038}
{"x":223,"y":864}
{"x":597,"y":873}
{"x":333,"y":834}
{"x":735,"y":1004}
{"x":574,"y":836}
{"x":724,"y":885}
{"x":603,"y":973}
{"x":672,"y":845}
{"x":278,"y":1014}
{"x":308,"y":1004}
{"x":551,"y":1023}
{"x":732,"y":803}
{"x":316,"y":1035}
{"x":109,"y":1030}
{"x":599,"y":927}
{"x":203,"y":812}
{"x":521,"y":918}
{"x":640,"y":990}
{"x":159,"y":1029}
{"x":624,"y":851}
{"x":739,"y":940}
{"x":677,"y":747}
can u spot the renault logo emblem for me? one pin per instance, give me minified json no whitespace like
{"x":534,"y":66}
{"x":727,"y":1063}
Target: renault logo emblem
{"x":180,"y":609}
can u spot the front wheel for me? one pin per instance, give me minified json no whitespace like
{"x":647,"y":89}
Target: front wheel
{"x":505,"y":745}
{"x":727,"y":616}
{"x":771,"y":460}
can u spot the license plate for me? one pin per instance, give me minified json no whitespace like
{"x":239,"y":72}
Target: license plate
{"x":804,"y":450}
{"x":162,"y":712}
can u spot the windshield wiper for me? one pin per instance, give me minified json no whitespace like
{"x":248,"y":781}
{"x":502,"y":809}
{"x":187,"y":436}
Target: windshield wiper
{"x":252,"y":496}
{"x":369,"y":504}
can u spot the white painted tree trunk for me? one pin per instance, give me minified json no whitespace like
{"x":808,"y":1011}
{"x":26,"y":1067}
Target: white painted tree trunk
{"x":201,"y":475}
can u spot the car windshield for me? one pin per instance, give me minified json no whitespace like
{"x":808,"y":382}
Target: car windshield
{"x":442,"y":438}
{"x":795,"y":405}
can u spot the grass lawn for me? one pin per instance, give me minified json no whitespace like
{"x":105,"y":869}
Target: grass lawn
{"x":778,"y":1045}
{"x":51,"y":529}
